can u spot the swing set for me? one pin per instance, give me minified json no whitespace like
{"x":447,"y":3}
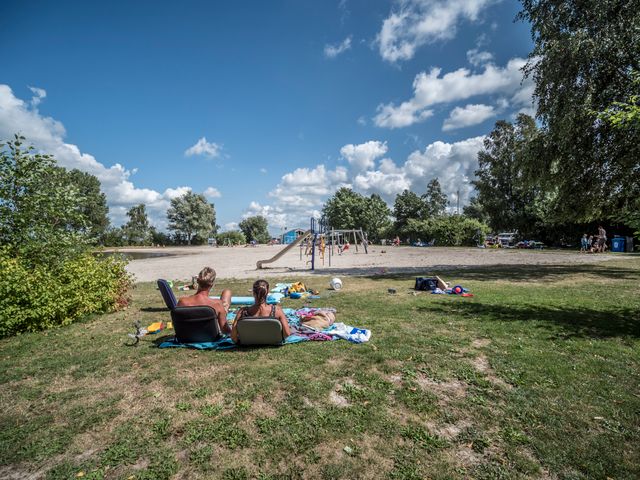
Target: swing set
{"x":324,"y":240}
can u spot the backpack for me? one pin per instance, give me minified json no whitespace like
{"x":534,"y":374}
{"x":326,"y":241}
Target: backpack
{"x":426,"y":283}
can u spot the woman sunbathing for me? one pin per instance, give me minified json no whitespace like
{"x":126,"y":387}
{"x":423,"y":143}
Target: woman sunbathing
{"x":260,"y":308}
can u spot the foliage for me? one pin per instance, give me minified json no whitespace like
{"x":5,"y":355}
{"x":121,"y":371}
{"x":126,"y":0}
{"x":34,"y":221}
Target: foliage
{"x":475,"y":210}
{"x":114,"y":237}
{"x":447,"y":230}
{"x":344,"y":209}
{"x":508,"y":201}
{"x":40,"y":297}
{"x":347,"y":209}
{"x":375,"y":218}
{"x":160,"y":238}
{"x":435,"y":201}
{"x":40,"y":209}
{"x":406,"y":206}
{"x":190,"y":215}
{"x":93,"y":207}
{"x":625,"y":115}
{"x":255,"y":228}
{"x":137,"y":230}
{"x":583,"y":62}
{"x":233,"y":237}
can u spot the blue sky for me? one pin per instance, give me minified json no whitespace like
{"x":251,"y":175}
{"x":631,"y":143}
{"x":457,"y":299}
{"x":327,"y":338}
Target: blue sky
{"x":267,"y":107}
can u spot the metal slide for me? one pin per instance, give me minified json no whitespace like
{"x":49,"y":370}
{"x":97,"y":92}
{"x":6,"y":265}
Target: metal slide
{"x":295,"y":243}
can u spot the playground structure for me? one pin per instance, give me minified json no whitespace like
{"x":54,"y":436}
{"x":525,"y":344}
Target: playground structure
{"x":324,"y":240}
{"x":320,"y":242}
{"x":291,"y":246}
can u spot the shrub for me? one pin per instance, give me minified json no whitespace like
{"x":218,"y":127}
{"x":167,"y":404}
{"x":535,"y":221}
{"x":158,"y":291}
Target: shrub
{"x":232,"y":237}
{"x":447,"y":230}
{"x":36,"y":298}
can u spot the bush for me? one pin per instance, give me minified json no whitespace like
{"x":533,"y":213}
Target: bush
{"x":39,"y":298}
{"x":233,"y":238}
{"x":447,"y":230}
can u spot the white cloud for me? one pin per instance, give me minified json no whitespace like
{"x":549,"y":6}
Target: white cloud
{"x":362,"y":120}
{"x":263,"y":170}
{"x":362,"y":157}
{"x":47,"y":135}
{"x":276,"y":217}
{"x":39,"y":94}
{"x":212,"y":192}
{"x":204,"y":148}
{"x":227,"y":227}
{"x":432,"y":89}
{"x":301,"y":193}
{"x":478,"y":57}
{"x":414,"y":23}
{"x":469,"y":115}
{"x":332,"y":51}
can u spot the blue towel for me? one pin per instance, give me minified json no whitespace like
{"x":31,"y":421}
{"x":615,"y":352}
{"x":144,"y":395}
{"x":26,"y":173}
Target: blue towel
{"x":225,"y":343}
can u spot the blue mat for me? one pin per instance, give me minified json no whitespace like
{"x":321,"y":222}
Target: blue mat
{"x":225,"y":343}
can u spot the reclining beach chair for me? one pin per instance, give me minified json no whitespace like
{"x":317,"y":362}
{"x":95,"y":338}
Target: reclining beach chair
{"x":260,"y":331}
{"x":167,"y":294}
{"x":195,"y":324}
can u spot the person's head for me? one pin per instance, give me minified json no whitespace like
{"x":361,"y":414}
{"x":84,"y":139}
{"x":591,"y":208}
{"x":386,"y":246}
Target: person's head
{"x":206,"y":278}
{"x":260,"y":291}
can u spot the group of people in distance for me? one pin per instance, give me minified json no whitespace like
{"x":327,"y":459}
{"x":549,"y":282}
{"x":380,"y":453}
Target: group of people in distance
{"x":206,"y":280}
{"x":594,"y":244}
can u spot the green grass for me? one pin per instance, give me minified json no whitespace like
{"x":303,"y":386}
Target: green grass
{"x":536,"y":376}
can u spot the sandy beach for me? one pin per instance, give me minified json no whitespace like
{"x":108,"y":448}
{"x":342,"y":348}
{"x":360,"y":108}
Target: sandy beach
{"x":181,"y":263}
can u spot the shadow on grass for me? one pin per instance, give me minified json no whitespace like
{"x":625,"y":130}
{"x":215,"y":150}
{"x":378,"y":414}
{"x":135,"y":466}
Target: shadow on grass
{"x":575,"y":322}
{"x":514,"y":272}
{"x":155,"y":309}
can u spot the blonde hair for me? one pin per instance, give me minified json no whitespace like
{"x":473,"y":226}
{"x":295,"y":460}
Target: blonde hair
{"x":206,"y":278}
{"x":260,"y":291}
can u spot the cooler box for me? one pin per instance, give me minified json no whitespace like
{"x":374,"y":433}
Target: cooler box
{"x":617,"y":244}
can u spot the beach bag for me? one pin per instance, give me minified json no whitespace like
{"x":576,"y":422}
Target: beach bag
{"x":426,"y":283}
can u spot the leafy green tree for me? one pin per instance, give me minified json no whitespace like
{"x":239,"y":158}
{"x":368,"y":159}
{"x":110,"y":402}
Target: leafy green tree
{"x":114,"y":237}
{"x":137,"y":230}
{"x":375,"y":218}
{"x":435,"y":201}
{"x":344,"y":210}
{"x":583,"y":62}
{"x":40,"y":214}
{"x":93,"y":208}
{"x":508,"y":201}
{"x":233,"y":237}
{"x":160,"y":238}
{"x":407,"y":205}
{"x":190,"y":215}
{"x":447,"y":230}
{"x":255,"y":228}
{"x":475,"y":210}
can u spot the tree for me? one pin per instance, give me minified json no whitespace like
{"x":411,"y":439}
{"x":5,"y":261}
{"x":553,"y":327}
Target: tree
{"x":114,"y":237}
{"x":375,"y":219}
{"x":435,"y":202}
{"x":583,"y":62}
{"x":191,"y":215}
{"x":344,"y":210}
{"x":475,"y":210}
{"x":508,"y":201}
{"x":137,"y":230}
{"x":255,"y":228}
{"x":407,"y":205}
{"x":39,"y":207}
{"x":93,"y":208}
